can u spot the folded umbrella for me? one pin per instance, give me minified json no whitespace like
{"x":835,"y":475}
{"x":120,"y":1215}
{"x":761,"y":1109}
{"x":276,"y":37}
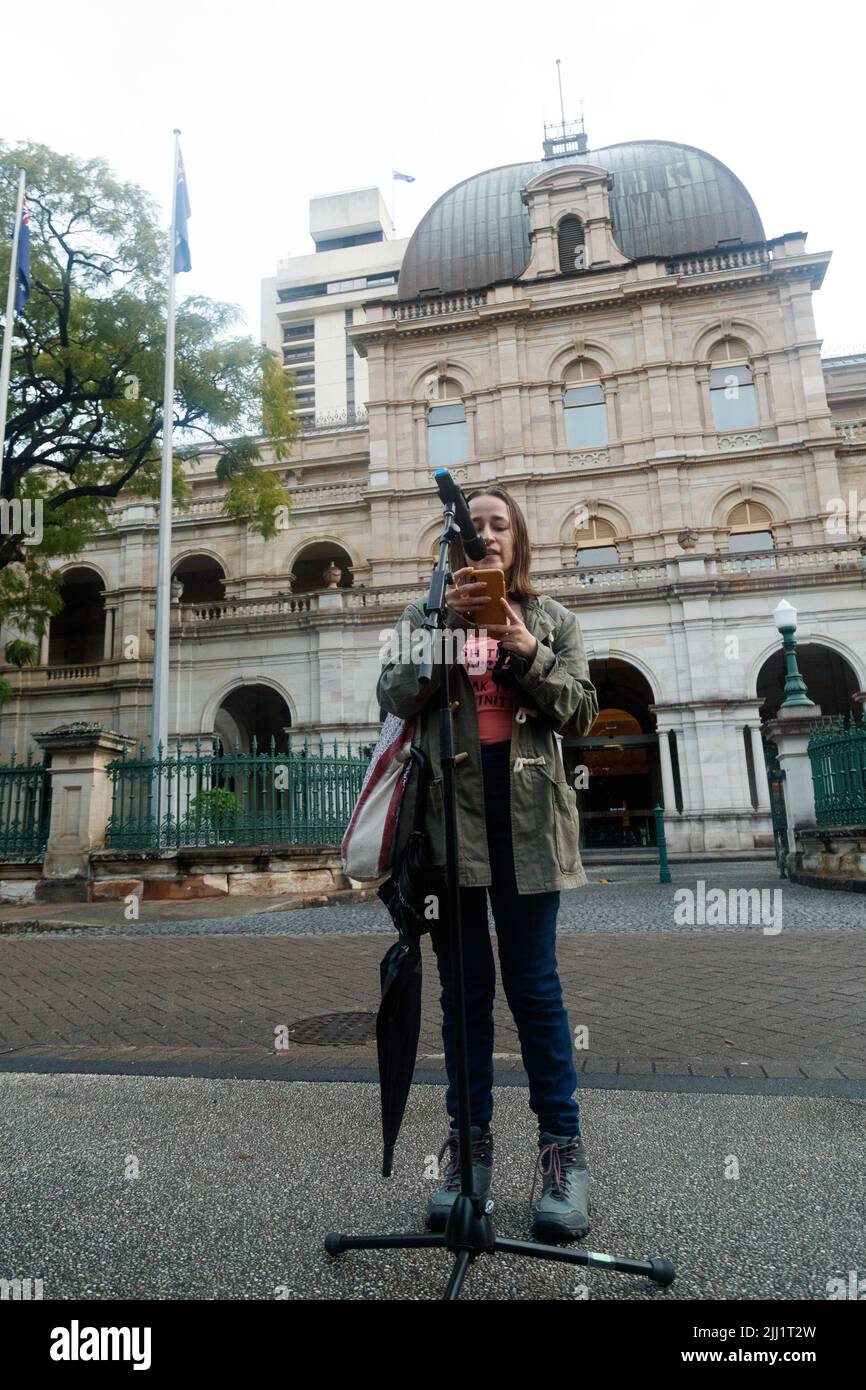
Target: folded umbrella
{"x":398,"y":1023}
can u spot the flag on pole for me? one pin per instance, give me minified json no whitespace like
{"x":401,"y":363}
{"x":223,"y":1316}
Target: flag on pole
{"x":182,"y":211}
{"x":22,"y":268}
{"x":407,"y":178}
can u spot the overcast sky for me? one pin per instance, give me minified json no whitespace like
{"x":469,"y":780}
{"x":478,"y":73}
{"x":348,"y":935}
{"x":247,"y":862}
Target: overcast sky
{"x":279,"y":102}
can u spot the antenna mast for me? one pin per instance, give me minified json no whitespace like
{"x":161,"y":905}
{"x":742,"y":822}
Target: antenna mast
{"x":561,"y":105}
{"x":565,"y":138}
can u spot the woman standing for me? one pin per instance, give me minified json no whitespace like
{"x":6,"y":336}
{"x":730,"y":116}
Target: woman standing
{"x":517,"y":829}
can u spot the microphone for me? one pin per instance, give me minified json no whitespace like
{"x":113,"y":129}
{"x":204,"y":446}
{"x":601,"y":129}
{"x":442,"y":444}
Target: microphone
{"x":474,"y":545}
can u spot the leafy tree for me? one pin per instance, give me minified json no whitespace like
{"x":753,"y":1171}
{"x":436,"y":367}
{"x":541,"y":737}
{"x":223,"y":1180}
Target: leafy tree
{"x":19,"y":654}
{"x":84,"y":422}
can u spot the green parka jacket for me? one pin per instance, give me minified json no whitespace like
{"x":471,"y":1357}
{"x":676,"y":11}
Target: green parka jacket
{"x":543,"y":804}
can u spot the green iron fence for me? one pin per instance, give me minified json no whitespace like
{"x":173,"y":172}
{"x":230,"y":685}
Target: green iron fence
{"x":302,"y":796}
{"x":25,"y":807}
{"x":837,"y":751}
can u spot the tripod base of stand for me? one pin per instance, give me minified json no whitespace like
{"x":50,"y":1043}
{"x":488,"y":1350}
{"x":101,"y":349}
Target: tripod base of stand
{"x":469,"y":1233}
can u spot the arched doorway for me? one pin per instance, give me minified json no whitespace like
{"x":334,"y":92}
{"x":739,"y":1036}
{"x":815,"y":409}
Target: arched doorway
{"x":830,"y":680}
{"x":253,"y":712}
{"x":310,"y":570}
{"x":621,"y":783}
{"x":251,"y":735}
{"x":77,"y":632}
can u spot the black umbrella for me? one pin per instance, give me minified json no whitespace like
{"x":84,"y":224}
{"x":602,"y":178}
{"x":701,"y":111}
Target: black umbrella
{"x":398,"y":1022}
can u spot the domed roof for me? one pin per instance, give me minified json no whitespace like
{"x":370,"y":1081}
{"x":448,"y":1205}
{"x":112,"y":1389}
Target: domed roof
{"x":667,"y":200}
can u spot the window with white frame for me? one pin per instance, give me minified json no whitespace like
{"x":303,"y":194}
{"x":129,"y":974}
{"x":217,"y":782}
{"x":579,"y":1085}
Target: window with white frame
{"x":447,"y":434}
{"x":584,"y":407}
{"x":732,"y":387}
{"x":595,"y":544}
{"x":750,"y":524}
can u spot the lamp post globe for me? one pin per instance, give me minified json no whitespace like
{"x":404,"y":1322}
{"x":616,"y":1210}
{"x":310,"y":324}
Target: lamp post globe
{"x":785,"y":618}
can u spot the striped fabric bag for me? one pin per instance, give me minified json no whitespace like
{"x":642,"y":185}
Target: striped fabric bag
{"x":367,"y":849}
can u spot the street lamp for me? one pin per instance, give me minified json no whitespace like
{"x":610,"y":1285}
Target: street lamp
{"x":785,"y":618}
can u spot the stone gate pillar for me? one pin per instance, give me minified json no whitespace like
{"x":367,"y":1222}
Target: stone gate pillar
{"x":791,"y":731}
{"x":80,"y":805}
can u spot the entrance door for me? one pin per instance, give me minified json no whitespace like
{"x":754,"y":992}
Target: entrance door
{"x":615,"y":771}
{"x":621,"y":780}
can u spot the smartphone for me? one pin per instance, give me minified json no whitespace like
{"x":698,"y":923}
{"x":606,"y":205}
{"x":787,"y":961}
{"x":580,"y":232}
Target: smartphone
{"x":492,"y":611}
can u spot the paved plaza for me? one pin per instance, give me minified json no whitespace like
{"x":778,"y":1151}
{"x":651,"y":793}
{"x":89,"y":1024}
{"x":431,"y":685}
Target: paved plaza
{"x":189,"y":1102}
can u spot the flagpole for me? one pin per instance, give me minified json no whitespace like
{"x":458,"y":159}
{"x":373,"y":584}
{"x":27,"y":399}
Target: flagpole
{"x":159,"y":725}
{"x":9,"y":325}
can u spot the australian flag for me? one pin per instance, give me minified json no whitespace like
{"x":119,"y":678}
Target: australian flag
{"x":181,"y":212}
{"x":22,"y":270}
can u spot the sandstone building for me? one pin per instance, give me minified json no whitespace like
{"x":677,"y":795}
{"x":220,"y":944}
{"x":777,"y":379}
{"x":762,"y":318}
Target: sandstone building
{"x":612,"y":334}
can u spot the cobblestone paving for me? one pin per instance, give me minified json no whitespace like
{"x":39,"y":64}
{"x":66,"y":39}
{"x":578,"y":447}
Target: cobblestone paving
{"x":631,"y":900}
{"x":656,"y":997}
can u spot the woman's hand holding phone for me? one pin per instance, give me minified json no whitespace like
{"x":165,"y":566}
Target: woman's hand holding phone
{"x":465,"y":599}
{"x":514,"y":635}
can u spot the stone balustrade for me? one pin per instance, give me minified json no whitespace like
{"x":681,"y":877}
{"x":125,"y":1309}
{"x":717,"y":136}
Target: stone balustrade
{"x":845,"y":555}
{"x":327,"y":422}
{"x":70,"y":673}
{"x":242,"y":609}
{"x":307,"y":495}
{"x":462,"y":303}
{"x":560,"y":583}
{"x":709,"y":262}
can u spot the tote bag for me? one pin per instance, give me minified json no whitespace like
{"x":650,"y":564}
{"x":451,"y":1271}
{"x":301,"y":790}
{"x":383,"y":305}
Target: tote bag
{"x":367,"y":848}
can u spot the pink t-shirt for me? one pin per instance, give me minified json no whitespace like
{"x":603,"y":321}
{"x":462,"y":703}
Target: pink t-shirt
{"x":494,"y":705}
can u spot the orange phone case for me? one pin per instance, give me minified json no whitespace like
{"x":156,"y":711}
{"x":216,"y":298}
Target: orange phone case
{"x":492,"y":612}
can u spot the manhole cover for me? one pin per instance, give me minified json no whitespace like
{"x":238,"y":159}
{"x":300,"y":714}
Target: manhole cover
{"x":334,"y":1030}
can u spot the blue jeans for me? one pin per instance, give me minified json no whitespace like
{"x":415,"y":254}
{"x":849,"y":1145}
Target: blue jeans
{"x":526,"y":943}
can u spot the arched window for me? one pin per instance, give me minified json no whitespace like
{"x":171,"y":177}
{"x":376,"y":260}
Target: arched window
{"x":595,"y":544}
{"x":750,"y":527}
{"x":732,"y":390}
{"x":585,"y":410}
{"x":77,"y":632}
{"x":447,"y":436}
{"x":202,"y":578}
{"x":572,"y":250}
{"x":321,"y":565}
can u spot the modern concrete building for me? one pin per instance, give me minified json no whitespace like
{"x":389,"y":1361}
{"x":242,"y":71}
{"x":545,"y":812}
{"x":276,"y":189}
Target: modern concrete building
{"x":613,"y":335}
{"x":309,"y":303}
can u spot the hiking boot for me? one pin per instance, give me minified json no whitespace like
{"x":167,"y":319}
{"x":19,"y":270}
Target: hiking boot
{"x":440,"y":1204}
{"x":562,"y":1212}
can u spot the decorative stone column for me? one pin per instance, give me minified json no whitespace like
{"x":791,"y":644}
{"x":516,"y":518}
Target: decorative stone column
{"x":80,"y":805}
{"x":668,"y":790}
{"x":108,"y":633}
{"x":763,"y":395}
{"x":759,"y":763}
{"x":790,"y":731}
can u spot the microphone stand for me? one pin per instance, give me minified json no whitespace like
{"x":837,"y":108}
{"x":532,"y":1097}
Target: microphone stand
{"x":469,"y":1230}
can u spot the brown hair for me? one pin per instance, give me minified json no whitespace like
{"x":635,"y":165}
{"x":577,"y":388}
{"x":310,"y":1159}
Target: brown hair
{"x":521,"y":586}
